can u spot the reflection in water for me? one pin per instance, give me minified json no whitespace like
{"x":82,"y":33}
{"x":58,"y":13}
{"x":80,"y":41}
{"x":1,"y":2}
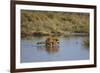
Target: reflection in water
{"x":50,"y":50}
{"x":53,"y":49}
{"x":86,"y":43}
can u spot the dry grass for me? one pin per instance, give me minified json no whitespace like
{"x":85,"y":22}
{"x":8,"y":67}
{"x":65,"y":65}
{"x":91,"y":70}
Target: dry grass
{"x":54,"y":22}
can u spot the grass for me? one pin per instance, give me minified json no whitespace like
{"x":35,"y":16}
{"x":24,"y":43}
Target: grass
{"x":56,"y":23}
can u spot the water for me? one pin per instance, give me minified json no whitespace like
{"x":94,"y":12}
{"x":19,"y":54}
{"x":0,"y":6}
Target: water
{"x":70,"y":48}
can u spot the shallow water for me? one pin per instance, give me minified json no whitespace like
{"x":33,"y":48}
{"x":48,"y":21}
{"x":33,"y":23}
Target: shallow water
{"x":70,"y":48}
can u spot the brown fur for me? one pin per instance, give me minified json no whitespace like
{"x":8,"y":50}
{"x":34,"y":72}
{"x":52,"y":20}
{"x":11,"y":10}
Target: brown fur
{"x":50,"y":41}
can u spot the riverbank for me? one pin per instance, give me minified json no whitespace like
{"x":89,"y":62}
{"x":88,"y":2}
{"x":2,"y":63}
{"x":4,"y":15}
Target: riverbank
{"x":45,"y":23}
{"x":42,"y":34}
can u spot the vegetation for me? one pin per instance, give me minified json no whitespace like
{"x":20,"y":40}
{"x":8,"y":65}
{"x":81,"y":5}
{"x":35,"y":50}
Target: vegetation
{"x":48,"y":22}
{"x":86,"y":42}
